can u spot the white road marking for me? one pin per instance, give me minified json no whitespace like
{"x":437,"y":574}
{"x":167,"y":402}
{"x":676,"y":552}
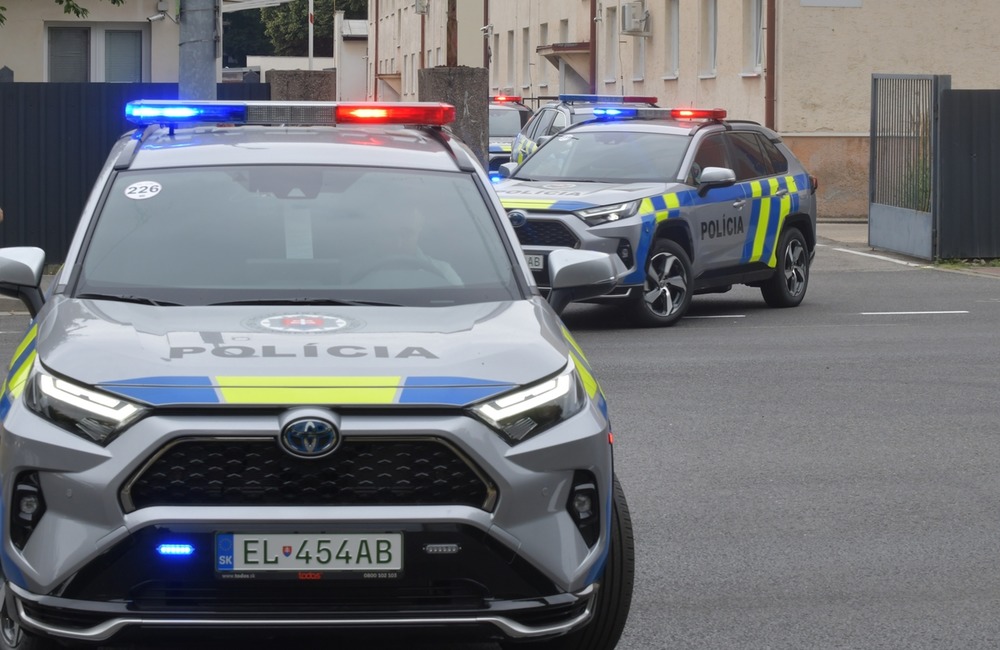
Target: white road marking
{"x":908,"y":313}
{"x":883,"y":257}
{"x":719,"y":316}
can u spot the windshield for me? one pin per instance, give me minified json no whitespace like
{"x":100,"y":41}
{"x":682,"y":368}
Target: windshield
{"x":607,"y":156}
{"x":504,"y":122}
{"x":302,"y":233}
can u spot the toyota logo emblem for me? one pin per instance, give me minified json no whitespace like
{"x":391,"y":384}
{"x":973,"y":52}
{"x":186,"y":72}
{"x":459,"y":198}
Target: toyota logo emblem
{"x":309,"y":438}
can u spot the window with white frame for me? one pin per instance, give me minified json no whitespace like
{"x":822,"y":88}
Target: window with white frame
{"x":99,"y":52}
{"x":511,"y":70}
{"x":611,"y":45}
{"x":638,"y":58}
{"x":525,"y":58}
{"x":753,"y":39}
{"x":671,"y":40}
{"x":709,"y":38}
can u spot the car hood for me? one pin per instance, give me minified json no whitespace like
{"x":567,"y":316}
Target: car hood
{"x":280,"y":355}
{"x":569,"y":195}
{"x":500,"y":144}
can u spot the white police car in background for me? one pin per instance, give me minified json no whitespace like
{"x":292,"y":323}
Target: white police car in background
{"x":294,"y":375}
{"x":689,"y":201}
{"x":508,"y":115}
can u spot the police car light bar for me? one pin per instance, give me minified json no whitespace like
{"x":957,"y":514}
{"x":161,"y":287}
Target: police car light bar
{"x":609,"y":99}
{"x":506,"y":98}
{"x":176,"y":112}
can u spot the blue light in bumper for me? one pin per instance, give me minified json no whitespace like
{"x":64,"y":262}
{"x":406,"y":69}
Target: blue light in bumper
{"x":175,"y":550}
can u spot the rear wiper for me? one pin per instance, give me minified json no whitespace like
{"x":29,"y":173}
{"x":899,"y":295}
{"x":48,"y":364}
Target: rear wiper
{"x":141,"y":300}
{"x":305,"y":301}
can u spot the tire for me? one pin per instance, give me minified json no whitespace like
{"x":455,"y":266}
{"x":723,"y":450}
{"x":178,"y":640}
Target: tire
{"x":666,"y":290}
{"x":787,"y":287}
{"x":12,"y":636}
{"x":614,"y":595}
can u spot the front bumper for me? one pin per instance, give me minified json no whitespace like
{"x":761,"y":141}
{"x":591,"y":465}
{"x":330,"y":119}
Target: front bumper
{"x":89,"y":570}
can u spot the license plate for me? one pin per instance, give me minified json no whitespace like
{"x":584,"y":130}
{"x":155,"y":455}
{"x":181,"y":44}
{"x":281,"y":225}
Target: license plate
{"x":536,"y":262}
{"x":319,"y":552}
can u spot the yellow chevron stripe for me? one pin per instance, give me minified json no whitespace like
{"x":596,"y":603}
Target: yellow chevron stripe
{"x":582,"y":366}
{"x":25,"y":342}
{"x":784,"y":209}
{"x":538,"y":204}
{"x":16,"y":383}
{"x":756,"y":190}
{"x":761,"y":234}
{"x":309,"y":390}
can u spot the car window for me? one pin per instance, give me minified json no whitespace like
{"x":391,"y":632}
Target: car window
{"x":559,"y":123}
{"x":504,"y":122}
{"x":749,"y":160}
{"x":779,"y":163}
{"x":540,"y":125}
{"x":213,"y":234}
{"x":711,"y":153}
{"x":607,"y":156}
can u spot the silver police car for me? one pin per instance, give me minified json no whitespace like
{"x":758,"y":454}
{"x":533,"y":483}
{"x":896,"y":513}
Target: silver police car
{"x":690,"y":202}
{"x":294,"y":375}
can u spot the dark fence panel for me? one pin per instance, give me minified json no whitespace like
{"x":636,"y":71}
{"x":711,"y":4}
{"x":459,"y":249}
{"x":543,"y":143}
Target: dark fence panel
{"x":54,"y":138}
{"x":969,"y":224}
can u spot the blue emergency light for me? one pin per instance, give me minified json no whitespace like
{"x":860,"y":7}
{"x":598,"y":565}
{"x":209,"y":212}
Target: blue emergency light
{"x":611,"y":112}
{"x":175,"y":550}
{"x":144,"y":112}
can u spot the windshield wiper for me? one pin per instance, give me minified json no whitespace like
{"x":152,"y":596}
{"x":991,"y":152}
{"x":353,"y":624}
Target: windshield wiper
{"x":141,"y":300}
{"x":306,"y":301}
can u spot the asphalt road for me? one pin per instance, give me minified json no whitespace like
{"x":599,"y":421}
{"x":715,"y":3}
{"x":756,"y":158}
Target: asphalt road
{"x":817,"y":477}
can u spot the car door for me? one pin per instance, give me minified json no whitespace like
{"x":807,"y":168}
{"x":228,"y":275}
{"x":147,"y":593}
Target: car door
{"x":767,"y":195}
{"x":527,"y":140}
{"x":716,"y":216}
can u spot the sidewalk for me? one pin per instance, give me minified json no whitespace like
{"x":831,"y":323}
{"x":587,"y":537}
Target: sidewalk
{"x":845,"y":231}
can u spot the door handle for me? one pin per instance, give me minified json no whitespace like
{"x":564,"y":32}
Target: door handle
{"x":781,"y":192}
{"x":739,"y":204}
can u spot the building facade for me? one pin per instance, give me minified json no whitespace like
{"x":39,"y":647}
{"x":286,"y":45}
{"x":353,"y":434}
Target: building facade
{"x":802,"y":67}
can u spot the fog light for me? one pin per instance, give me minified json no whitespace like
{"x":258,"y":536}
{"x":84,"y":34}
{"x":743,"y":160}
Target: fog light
{"x":583,"y":506}
{"x":625,"y":252}
{"x":29,"y":504}
{"x":27,"y":507}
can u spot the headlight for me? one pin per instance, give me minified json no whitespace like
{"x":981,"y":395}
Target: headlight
{"x":85,"y":412}
{"x":529,"y":411}
{"x":604,"y":214}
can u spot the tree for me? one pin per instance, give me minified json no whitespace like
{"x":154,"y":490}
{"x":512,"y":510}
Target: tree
{"x":69,"y":7}
{"x":243,"y":34}
{"x":287,"y":25}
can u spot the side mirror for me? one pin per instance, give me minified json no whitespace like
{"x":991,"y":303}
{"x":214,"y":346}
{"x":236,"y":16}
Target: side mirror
{"x":506,"y":169}
{"x":580,"y":274}
{"x":21,"y":270}
{"x":712,"y":177}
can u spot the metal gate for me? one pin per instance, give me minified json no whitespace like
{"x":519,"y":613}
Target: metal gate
{"x":904,"y":171}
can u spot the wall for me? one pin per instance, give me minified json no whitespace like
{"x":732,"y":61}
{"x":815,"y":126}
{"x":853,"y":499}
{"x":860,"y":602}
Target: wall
{"x":23,"y":43}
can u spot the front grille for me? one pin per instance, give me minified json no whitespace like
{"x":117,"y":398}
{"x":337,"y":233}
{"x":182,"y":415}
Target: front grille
{"x":546,"y":233}
{"x":295,"y":597}
{"x":255,"y":471}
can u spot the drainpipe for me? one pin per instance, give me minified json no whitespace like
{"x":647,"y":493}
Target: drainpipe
{"x":593,"y":46}
{"x":486,"y":39}
{"x":771,"y":65}
{"x":374,"y":49}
